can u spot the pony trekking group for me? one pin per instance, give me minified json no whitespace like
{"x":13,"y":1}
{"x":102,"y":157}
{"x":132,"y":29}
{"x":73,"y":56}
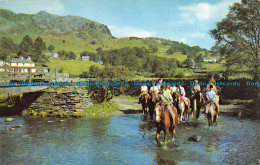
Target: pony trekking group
{"x":171,"y":105}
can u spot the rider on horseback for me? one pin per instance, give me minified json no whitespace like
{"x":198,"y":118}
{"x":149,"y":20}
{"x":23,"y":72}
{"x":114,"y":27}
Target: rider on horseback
{"x":211,"y":96}
{"x":144,"y":90}
{"x":166,"y":98}
{"x":180,"y":90}
{"x":195,"y":88}
{"x":155,"y":89}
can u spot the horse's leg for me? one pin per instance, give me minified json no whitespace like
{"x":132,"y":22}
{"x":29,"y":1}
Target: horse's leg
{"x":209,"y":120}
{"x":173,"y":132}
{"x":165,"y":136}
{"x":216,"y":119}
{"x":157,"y":136}
{"x":212,"y":119}
{"x":198,"y":112}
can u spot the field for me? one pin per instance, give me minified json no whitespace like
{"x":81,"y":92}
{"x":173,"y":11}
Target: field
{"x":73,"y":67}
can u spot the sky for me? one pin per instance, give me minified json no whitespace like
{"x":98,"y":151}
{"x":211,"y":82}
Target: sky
{"x":187,"y":21}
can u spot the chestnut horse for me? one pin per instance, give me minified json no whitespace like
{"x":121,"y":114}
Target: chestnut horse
{"x":212,"y":114}
{"x":182,"y":108}
{"x":151,"y":104}
{"x":164,"y":121}
{"x":144,"y":101}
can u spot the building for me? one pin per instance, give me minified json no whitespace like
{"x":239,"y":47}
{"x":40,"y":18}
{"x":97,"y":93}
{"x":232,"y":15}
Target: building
{"x":21,"y":62}
{"x":51,"y":54}
{"x":222,"y":61}
{"x":209,"y":59}
{"x":85,"y":58}
{"x":100,"y":62}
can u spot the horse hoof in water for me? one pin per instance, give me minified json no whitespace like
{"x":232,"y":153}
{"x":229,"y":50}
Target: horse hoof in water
{"x":165,"y":147}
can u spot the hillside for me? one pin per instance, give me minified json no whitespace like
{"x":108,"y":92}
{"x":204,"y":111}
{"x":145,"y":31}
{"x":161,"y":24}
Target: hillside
{"x":45,"y":24}
{"x":78,"y":34}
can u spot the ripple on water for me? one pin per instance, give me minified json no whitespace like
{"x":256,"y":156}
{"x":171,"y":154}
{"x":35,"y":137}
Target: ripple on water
{"x":128,"y":139}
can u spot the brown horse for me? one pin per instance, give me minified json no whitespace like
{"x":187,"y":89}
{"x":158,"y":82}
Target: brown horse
{"x":182,"y":108}
{"x":196,"y":103}
{"x":212,"y":114}
{"x":164,"y":121}
{"x":151,"y":104}
{"x":144,"y":101}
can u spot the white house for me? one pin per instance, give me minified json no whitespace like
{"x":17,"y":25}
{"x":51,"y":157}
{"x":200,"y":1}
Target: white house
{"x":51,"y":54}
{"x":85,"y":58}
{"x":21,"y":62}
{"x":209,"y":59}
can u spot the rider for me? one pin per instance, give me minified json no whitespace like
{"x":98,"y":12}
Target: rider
{"x":166,"y":98}
{"x":180,"y":90}
{"x":211,"y":96}
{"x":173,"y":89}
{"x":154,"y":88}
{"x":213,"y":82}
{"x":159,"y":84}
{"x":195,"y":88}
{"x":144,"y":90}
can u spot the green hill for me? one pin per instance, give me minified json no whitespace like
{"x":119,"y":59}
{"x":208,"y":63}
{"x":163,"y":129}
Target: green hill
{"x":45,"y":24}
{"x":78,"y":34}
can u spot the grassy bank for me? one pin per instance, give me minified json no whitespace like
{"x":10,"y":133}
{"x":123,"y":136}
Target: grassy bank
{"x":73,"y":67}
{"x":105,"y":107}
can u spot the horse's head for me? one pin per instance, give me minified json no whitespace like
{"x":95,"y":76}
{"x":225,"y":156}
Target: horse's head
{"x":158,"y":111}
{"x":144,"y":98}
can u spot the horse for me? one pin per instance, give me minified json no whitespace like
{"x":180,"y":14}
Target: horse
{"x":212,"y":114}
{"x":196,"y":103}
{"x":144,"y":101}
{"x":182,"y":108}
{"x":151,"y":104}
{"x":164,"y":121}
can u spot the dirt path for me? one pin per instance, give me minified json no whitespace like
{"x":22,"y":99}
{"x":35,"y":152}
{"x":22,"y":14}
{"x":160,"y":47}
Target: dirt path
{"x":128,"y":104}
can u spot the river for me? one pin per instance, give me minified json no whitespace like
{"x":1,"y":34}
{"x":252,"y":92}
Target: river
{"x":126,"y":139}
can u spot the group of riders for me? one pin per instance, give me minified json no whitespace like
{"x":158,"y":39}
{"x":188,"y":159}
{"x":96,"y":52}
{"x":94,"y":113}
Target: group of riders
{"x":171,"y":95}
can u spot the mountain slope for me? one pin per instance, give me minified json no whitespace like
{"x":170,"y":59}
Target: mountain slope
{"x":46,"y":24}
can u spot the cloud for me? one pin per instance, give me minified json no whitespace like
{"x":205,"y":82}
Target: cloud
{"x":31,"y":7}
{"x":126,"y":31}
{"x":200,"y":12}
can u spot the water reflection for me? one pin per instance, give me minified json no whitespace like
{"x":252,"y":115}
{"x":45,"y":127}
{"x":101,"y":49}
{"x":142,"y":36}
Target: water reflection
{"x":127,"y":139}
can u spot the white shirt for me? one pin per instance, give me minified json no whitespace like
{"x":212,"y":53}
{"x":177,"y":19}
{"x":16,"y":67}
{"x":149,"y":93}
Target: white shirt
{"x":173,"y":89}
{"x":154,"y":89}
{"x":181,"y":90}
{"x":144,"y":88}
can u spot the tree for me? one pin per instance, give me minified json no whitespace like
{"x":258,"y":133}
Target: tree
{"x":153,"y":49}
{"x":51,"y":48}
{"x":7,"y":47}
{"x":238,"y":34}
{"x":189,"y":62}
{"x":71,"y":55}
{"x":108,"y":74}
{"x":63,"y":54}
{"x":171,"y":50}
{"x":26,"y":47}
{"x":39,"y":47}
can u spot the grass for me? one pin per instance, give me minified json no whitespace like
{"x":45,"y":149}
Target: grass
{"x":73,"y":67}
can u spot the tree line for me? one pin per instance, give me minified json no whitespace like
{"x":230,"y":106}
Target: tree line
{"x":136,"y":60}
{"x":28,"y":47}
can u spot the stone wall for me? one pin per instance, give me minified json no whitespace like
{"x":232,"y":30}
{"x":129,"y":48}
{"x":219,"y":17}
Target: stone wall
{"x":67,"y":99}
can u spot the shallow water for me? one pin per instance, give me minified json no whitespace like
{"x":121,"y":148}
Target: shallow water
{"x":126,"y":139}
